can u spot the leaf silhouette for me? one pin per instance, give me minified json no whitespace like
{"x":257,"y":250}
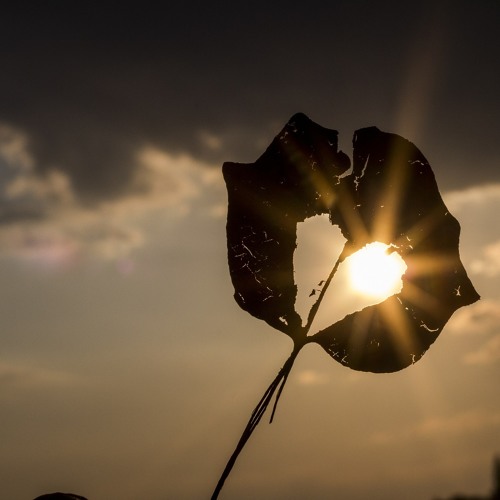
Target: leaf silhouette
{"x":392,"y":197}
{"x":389,"y":196}
{"x":294,"y":179}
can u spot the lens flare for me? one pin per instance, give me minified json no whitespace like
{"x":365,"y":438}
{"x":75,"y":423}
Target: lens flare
{"x":376,"y":270}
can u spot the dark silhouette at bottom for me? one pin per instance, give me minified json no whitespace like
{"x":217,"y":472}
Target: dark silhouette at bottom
{"x":495,"y":494}
{"x":60,"y":496}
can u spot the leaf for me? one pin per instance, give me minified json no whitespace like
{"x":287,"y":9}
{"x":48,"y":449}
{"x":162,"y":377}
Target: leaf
{"x":390,"y":196}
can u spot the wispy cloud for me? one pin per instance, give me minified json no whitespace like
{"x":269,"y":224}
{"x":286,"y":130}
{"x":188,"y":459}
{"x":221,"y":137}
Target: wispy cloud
{"x":473,"y":196}
{"x":13,"y":146}
{"x":469,"y":422}
{"x":481,"y":318}
{"x":477,"y":210}
{"x":164,"y":180}
{"x":486,"y":354}
{"x":24,"y":376}
{"x":488,"y":261}
{"x":311,"y":377}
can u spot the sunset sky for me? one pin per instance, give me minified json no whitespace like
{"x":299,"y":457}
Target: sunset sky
{"x":127,"y":370}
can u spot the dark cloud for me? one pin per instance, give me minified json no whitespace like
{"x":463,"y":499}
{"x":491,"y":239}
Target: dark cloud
{"x":90,"y":86}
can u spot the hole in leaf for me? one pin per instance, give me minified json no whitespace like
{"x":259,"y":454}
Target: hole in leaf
{"x":367,"y":277}
{"x":319,"y":245}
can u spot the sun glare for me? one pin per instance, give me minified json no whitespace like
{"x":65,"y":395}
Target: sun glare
{"x":375,"y":272}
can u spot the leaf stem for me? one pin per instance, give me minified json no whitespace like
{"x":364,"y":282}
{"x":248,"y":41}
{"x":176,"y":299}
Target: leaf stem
{"x":315,"y":306}
{"x":257,"y":414}
{"x":278,"y":383}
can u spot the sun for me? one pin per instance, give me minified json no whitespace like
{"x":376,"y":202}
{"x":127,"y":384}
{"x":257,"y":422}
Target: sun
{"x":376,"y":270}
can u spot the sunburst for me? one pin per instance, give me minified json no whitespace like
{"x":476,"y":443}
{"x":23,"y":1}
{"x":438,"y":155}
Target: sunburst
{"x":376,"y":270}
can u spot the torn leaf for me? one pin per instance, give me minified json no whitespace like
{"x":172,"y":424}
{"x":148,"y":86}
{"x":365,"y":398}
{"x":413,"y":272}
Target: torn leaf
{"x":293,"y":180}
{"x":390,"y":196}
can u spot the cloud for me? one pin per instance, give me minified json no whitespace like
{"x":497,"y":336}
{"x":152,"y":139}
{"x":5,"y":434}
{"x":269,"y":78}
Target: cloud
{"x":21,"y":184}
{"x":168,"y":180}
{"x":211,"y":141}
{"x":470,"y":422}
{"x":477,"y":208}
{"x":473,"y":197}
{"x":13,"y":147}
{"x":89,"y":91}
{"x":24,"y":376}
{"x":488,"y":262}
{"x":488,"y":353}
{"x":481,"y":318}
{"x":310,"y":377}
{"x":43,"y":221}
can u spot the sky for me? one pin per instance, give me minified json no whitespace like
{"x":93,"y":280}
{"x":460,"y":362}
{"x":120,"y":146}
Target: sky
{"x":127,"y":370}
